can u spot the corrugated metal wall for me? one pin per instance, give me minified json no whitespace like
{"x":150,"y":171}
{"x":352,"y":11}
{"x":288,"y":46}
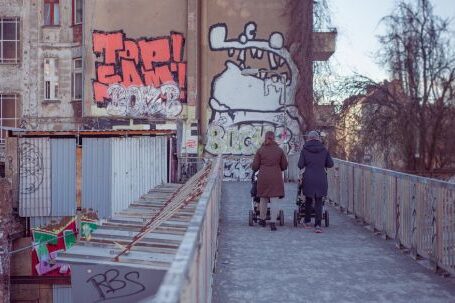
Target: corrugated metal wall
{"x":97,"y":174}
{"x":35,"y":177}
{"x":117,"y":171}
{"x":138,"y":164}
{"x":62,"y":294}
{"x":63,"y":172}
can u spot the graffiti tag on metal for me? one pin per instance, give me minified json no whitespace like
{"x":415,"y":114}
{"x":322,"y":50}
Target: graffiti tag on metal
{"x":103,"y":283}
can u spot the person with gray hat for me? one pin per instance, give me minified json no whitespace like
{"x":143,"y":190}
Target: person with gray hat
{"x":315,"y":159}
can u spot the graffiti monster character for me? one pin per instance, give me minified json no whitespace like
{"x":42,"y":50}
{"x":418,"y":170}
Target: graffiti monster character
{"x":247,"y":102}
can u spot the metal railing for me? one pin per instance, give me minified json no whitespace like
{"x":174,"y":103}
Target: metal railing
{"x":418,"y":212}
{"x":189,"y":166}
{"x":189,"y":279}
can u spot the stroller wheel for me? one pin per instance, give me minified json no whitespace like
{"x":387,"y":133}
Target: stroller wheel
{"x":296,"y":217}
{"x":281,"y":215}
{"x":250,"y":218}
{"x":326,"y":218}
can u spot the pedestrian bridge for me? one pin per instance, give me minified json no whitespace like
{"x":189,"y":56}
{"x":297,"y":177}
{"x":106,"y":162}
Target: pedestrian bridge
{"x":391,"y":239}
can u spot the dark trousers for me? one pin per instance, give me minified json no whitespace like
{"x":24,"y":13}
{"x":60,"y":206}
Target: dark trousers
{"x":317,"y":210}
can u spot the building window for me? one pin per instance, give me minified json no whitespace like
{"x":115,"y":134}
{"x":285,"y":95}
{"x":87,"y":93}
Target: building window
{"x":50,"y":78}
{"x":9,"y":113}
{"x":77,"y":79}
{"x":51,"y":12}
{"x":9,"y":40}
{"x":77,"y":11}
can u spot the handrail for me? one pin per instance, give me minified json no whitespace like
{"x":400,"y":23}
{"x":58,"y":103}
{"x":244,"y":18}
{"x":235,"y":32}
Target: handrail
{"x":398,"y":174}
{"x":189,"y":279}
{"x":418,"y":212}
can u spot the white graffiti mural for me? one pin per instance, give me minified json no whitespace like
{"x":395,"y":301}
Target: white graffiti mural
{"x":144,"y":100}
{"x":247,"y":102}
{"x":237,"y":169}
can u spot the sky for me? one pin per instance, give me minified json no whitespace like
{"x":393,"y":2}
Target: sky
{"x":357,"y":23}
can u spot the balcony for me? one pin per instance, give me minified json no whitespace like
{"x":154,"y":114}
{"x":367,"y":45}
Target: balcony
{"x":324,"y":45}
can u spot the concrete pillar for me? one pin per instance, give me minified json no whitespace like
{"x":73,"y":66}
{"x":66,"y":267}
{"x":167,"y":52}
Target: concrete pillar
{"x":306,"y":105}
{"x":192,"y":48}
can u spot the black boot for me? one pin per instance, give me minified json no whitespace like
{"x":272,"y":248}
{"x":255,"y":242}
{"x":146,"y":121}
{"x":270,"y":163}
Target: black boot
{"x":262,"y":223}
{"x":272,"y":226}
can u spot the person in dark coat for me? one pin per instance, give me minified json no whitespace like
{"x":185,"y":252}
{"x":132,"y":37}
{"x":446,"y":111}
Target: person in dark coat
{"x":314,"y":158}
{"x":270,"y":160}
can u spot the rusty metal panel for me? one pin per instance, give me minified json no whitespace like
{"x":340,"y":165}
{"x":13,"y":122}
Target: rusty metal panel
{"x":63,"y":172}
{"x":12,"y":168}
{"x":97,"y":175}
{"x":34,"y":177}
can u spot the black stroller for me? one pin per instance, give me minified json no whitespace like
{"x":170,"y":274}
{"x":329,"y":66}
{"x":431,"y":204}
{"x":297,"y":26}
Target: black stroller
{"x":299,"y":213}
{"x":253,"y":215}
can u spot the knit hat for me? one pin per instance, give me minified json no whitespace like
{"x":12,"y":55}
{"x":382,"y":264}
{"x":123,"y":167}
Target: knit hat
{"x":313,"y":135}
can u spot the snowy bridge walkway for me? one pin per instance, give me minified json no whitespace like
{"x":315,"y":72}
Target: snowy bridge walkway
{"x":346,"y":263}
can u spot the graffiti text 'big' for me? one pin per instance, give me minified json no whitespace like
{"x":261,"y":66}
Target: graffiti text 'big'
{"x":142,"y":62}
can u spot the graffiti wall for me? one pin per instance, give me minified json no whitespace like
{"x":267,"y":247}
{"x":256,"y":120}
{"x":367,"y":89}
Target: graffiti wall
{"x":135,"y":59}
{"x":139,"y":77}
{"x":48,"y":241}
{"x":253,"y":93}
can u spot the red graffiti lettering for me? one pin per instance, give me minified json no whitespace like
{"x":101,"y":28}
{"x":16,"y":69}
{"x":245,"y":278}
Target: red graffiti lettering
{"x":151,"y":62}
{"x":106,"y":74}
{"x":159,"y":75}
{"x":99,"y":91}
{"x":177,"y":46}
{"x":154,"y":51}
{"x":107,"y":45}
{"x":131,"y":51}
{"x":130,"y":74}
{"x":182,"y":80}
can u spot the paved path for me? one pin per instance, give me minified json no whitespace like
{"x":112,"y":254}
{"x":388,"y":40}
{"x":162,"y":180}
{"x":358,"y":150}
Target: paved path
{"x":346,"y":263}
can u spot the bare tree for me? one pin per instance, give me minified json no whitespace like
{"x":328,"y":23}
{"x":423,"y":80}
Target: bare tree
{"x":300,"y":43}
{"x":412,"y":114}
{"x":305,"y":16}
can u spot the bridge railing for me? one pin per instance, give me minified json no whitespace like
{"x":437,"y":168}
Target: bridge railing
{"x":418,"y":212}
{"x":189,"y":279}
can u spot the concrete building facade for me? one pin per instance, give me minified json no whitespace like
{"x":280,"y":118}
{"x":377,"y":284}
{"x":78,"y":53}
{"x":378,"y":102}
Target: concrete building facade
{"x":40,"y":65}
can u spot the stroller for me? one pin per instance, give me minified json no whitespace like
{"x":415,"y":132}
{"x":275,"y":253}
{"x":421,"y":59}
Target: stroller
{"x":253,"y":214}
{"x":299,"y":213}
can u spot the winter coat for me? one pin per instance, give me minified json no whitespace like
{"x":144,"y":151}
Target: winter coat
{"x":315,"y":158}
{"x":270,"y":160}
